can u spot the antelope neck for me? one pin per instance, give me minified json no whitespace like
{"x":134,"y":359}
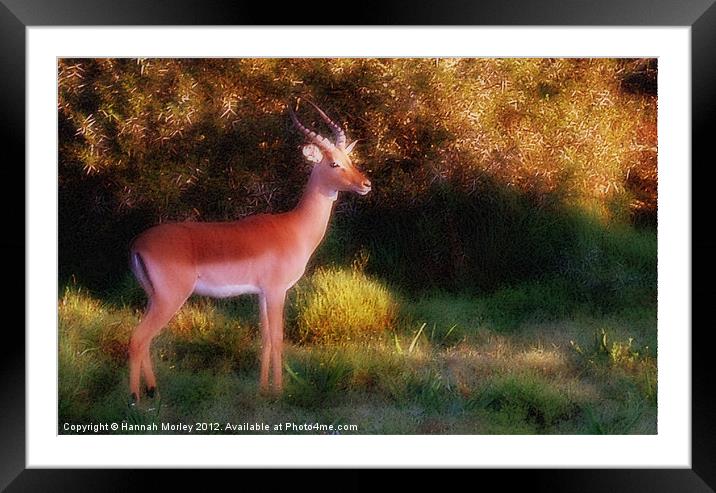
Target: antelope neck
{"x":314,"y":211}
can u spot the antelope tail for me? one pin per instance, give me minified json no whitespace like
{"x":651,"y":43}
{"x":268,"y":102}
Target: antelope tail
{"x":139,"y":269}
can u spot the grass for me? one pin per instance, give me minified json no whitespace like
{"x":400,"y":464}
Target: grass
{"x":529,"y":399}
{"x":342,"y":305}
{"x":515,"y":361}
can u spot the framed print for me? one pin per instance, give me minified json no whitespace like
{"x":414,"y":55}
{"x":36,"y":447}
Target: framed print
{"x":459,"y":238}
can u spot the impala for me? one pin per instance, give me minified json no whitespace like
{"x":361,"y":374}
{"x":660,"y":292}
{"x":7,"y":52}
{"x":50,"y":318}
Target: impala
{"x":264,"y":254}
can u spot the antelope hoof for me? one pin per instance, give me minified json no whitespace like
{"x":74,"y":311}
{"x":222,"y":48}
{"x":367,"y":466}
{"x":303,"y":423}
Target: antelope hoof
{"x":133,"y":399}
{"x":151,"y":391}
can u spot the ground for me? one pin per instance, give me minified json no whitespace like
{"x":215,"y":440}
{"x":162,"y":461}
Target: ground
{"x":442,"y":367}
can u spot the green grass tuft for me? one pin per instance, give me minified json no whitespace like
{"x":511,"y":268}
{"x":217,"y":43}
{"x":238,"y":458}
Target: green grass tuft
{"x":525,"y":399}
{"x":342,"y":305}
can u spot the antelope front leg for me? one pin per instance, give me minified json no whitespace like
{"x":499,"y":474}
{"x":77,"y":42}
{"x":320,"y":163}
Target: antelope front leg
{"x":275,"y":303}
{"x":265,"y":344}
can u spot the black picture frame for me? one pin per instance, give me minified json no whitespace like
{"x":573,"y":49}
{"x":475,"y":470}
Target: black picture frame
{"x":700,"y":15}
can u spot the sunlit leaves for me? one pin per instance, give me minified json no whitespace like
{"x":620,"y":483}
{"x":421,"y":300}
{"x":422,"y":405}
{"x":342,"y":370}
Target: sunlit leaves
{"x":159,"y":128}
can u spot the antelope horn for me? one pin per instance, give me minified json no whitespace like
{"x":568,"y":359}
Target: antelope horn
{"x":317,"y":139}
{"x":338,"y":134}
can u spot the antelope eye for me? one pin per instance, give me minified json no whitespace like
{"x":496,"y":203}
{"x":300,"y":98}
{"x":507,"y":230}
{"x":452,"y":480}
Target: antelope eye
{"x":335,"y":165}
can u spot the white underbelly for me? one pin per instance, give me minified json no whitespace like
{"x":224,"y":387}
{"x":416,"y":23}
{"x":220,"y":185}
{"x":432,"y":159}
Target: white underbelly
{"x":224,"y":290}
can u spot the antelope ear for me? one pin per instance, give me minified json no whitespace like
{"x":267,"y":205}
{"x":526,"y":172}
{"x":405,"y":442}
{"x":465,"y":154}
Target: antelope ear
{"x":312,"y":153}
{"x":350,"y":147}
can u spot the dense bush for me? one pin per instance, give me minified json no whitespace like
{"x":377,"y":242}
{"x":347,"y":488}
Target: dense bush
{"x":476,"y":163}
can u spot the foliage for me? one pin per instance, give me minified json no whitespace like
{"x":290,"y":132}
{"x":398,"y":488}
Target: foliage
{"x":474,"y":161}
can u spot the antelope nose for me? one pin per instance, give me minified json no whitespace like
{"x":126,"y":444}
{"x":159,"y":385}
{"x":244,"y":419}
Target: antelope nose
{"x":366,"y":183}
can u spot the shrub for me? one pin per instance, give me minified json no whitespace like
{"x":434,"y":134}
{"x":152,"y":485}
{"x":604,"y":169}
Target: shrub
{"x":338,"y":305}
{"x":465,"y":154}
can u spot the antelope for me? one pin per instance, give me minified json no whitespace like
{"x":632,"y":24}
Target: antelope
{"x":264,"y":254}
